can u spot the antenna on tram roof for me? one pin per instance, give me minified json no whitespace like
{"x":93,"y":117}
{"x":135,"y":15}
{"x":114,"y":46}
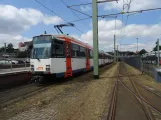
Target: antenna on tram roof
{"x":59,"y":27}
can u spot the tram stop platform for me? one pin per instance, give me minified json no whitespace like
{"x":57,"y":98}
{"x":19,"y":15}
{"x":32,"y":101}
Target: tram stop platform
{"x":13,"y":77}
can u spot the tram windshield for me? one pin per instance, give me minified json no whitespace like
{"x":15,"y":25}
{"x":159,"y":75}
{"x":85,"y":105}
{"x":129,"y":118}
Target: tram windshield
{"x":41,"y":47}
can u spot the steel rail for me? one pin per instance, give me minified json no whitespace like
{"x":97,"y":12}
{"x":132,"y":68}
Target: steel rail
{"x":152,"y":107}
{"x":146,"y":110}
{"x":142,"y":99}
{"x":112,"y":110}
{"x":145,"y":86}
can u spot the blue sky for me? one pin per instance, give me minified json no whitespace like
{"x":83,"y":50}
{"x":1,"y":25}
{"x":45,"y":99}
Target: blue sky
{"x":21,"y":20}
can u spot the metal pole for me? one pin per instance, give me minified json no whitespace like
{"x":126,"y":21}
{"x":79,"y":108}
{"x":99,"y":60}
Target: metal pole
{"x":11,"y":64}
{"x":25,"y":63}
{"x":114,"y":48}
{"x":4,"y":48}
{"x":137,"y":44}
{"x":117,"y":53}
{"x":158,"y":52}
{"x":95,"y":38}
{"x":155,"y":58}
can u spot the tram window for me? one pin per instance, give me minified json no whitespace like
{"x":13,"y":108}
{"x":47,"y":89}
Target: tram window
{"x":82,"y":51}
{"x":58,"y":49}
{"x":91,"y":53}
{"x":75,"y":50}
{"x":99,"y":55}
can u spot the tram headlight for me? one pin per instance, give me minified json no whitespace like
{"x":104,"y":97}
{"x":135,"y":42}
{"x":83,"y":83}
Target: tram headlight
{"x":32,"y":67}
{"x":47,"y":67}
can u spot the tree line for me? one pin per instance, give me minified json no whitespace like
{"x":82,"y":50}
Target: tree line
{"x":20,"y":54}
{"x":8,"y":49}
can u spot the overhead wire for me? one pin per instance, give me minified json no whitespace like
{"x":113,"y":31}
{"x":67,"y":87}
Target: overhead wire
{"x":115,"y":25}
{"x":56,"y":14}
{"x":122,"y":20}
{"x":80,"y":12}
{"x":81,"y":19}
{"x":89,"y":3}
{"x":126,"y":22}
{"x":129,"y":5}
{"x":137,"y":11}
{"x":73,"y":12}
{"x":79,"y":4}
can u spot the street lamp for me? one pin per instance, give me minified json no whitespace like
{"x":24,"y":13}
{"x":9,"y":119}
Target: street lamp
{"x":95,"y":36}
{"x":158,"y":63}
{"x":137,"y":44}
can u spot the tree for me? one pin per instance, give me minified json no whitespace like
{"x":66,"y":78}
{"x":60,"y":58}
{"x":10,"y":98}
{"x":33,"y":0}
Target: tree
{"x":155,"y":48}
{"x":143,"y":51}
{"x":130,"y":53}
{"x":21,"y":54}
{"x":2,"y":49}
{"x":10,"y":48}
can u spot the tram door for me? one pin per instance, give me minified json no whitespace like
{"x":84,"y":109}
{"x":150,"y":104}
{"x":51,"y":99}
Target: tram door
{"x":87,"y":59}
{"x":68,"y":59}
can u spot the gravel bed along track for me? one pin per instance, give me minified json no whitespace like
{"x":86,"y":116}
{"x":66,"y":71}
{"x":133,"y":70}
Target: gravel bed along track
{"x":79,"y":98}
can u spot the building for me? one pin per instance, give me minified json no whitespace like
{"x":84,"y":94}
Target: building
{"x":24,"y":46}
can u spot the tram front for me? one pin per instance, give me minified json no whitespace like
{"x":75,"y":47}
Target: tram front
{"x":40,"y":61}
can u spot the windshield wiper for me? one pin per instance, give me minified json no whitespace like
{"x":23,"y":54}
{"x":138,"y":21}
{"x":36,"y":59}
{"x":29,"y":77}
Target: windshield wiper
{"x":37,"y":56}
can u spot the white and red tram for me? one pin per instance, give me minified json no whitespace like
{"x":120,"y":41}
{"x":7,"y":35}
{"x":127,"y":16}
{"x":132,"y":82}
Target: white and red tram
{"x":62,"y":56}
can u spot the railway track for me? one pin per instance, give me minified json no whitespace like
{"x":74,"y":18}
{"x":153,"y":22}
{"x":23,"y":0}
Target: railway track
{"x":139,"y":97}
{"x":113,"y":103}
{"x":13,"y":95}
{"x":151,"y":98}
{"x":112,"y":111}
{"x":147,"y":98}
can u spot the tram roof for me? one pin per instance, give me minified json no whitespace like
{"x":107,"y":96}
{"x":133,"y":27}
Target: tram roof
{"x":73,"y":40}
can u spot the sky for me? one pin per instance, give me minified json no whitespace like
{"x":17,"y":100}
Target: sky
{"x":20,"y":20}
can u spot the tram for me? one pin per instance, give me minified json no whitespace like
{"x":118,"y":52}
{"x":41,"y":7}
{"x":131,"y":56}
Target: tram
{"x":62,"y":56}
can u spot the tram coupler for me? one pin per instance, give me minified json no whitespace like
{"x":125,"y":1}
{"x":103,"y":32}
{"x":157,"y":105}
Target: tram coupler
{"x":36,"y":79}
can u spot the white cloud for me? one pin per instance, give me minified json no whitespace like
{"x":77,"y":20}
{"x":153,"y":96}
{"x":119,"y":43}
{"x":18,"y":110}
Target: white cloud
{"x":14,"y":39}
{"x":135,"y":5}
{"x":52,"y":20}
{"x":109,"y":25}
{"x":15,"y":21}
{"x":146,"y":33}
{"x":133,"y":47}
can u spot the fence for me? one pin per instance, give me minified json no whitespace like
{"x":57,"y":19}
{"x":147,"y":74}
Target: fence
{"x":133,"y":61}
{"x":147,"y":66}
{"x":11,"y":64}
